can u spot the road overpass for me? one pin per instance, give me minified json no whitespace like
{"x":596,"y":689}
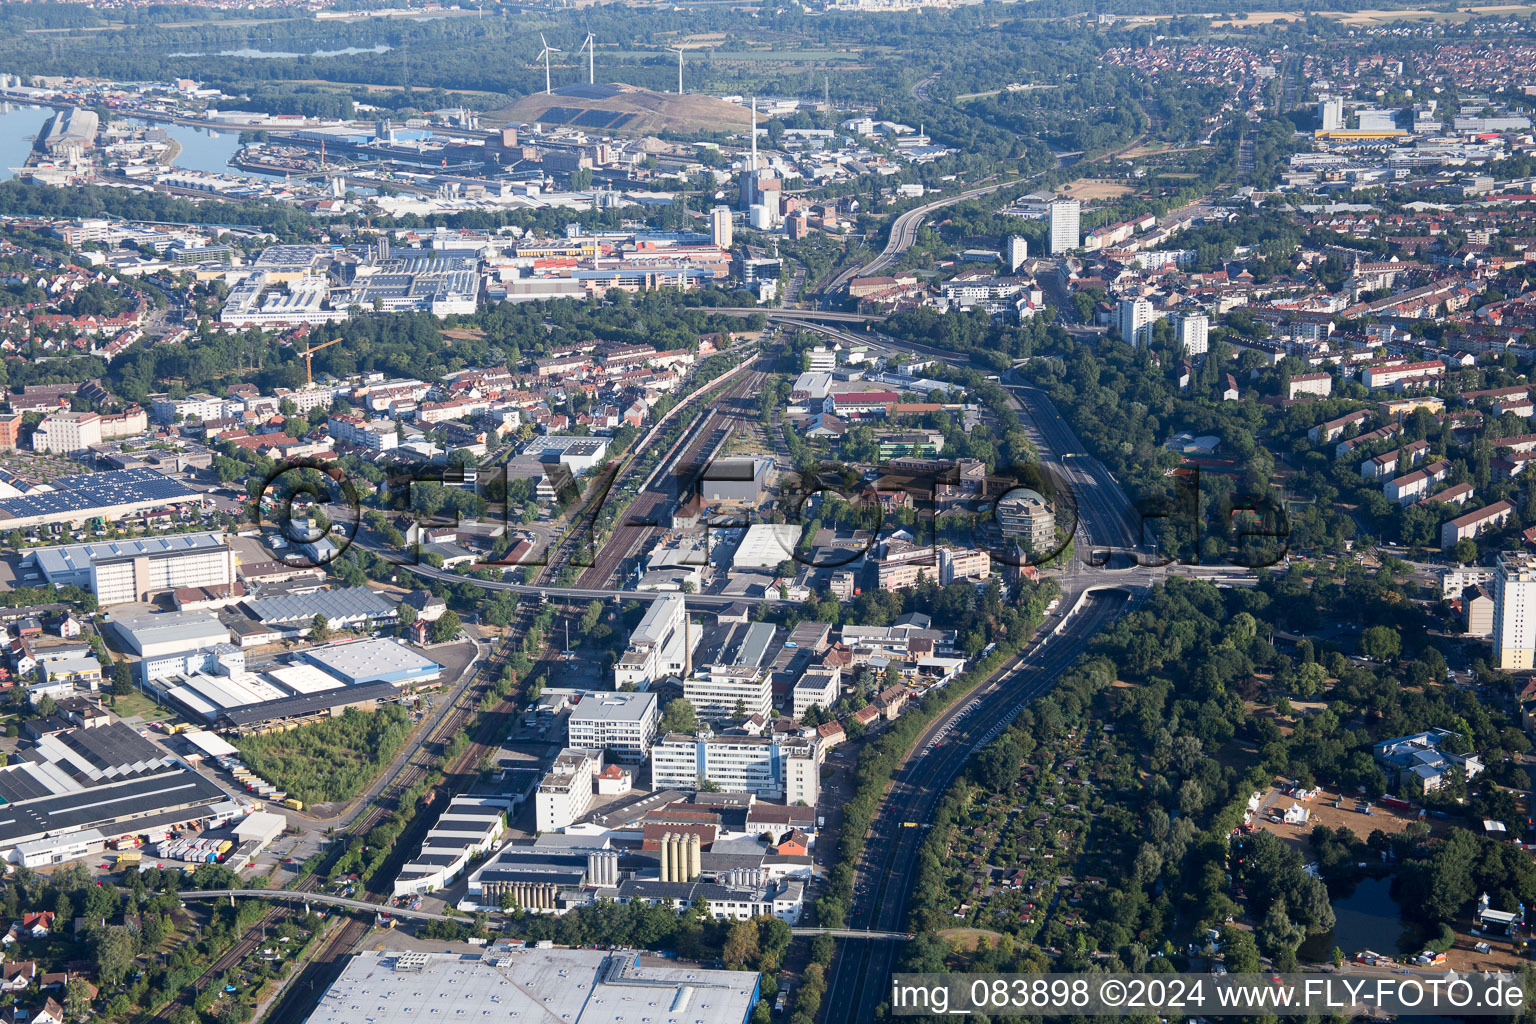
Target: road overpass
{"x":308,"y":899}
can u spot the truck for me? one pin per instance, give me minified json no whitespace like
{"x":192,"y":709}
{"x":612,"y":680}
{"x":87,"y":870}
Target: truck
{"x":126,"y":858}
{"x":293,"y":805}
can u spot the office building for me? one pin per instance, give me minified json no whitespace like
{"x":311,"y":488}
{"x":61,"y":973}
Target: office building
{"x":126,"y":571}
{"x":1134,"y":319}
{"x":659,"y":646}
{"x":1024,"y":514}
{"x":815,"y":688}
{"x":1066,"y":225}
{"x":565,"y":792}
{"x":521,"y":983}
{"x":1331,"y":113}
{"x":721,"y":693}
{"x":720,"y":226}
{"x":1193,"y":332}
{"x":775,"y":767}
{"x":1018,"y":252}
{"x":1514,"y":611}
{"x":66,"y":432}
{"x":623,"y":724}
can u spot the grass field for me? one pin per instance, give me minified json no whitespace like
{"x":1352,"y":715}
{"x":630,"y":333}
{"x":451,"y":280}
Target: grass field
{"x":967,"y":938}
{"x":136,"y":703}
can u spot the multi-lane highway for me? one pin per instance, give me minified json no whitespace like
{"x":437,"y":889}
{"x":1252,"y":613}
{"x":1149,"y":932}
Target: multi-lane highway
{"x":904,"y":230}
{"x":861,"y":971}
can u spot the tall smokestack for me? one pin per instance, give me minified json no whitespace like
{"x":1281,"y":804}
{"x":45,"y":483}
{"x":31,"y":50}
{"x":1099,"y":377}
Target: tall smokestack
{"x":754,"y":144}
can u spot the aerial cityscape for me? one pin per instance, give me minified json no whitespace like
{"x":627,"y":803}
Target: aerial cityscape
{"x":818,"y":511}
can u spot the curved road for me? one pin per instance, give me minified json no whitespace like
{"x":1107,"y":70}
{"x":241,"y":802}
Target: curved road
{"x":904,"y":230}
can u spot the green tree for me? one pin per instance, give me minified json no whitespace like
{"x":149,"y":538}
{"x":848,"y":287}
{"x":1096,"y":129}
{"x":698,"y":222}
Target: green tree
{"x":1381,"y":643}
{"x":114,"y":955}
{"x":680,"y":717}
{"x":1465,"y":551}
{"x":77,"y":999}
{"x":320,"y":628}
{"x":446,"y":627}
{"x":741,"y":945}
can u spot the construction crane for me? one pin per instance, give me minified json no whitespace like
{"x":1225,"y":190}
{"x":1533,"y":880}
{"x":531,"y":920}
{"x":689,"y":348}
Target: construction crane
{"x":308,"y":353}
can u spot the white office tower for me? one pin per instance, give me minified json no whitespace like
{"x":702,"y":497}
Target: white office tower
{"x":1331,"y":113}
{"x":1066,"y":225}
{"x":749,"y":179}
{"x":720,"y":226}
{"x":1018,"y":252}
{"x":1514,"y":611}
{"x":718,"y":693}
{"x":660,"y":646}
{"x":565,"y":792}
{"x":1134,"y":319}
{"x":773,"y":767}
{"x":1194,"y":332}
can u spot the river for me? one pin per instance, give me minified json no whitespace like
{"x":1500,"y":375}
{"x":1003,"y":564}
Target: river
{"x":19,"y":128}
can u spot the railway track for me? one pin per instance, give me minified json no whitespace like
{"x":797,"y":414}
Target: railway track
{"x":299,"y":1000}
{"x":671,"y":478}
{"x":598,"y":491}
{"x":415,"y":769}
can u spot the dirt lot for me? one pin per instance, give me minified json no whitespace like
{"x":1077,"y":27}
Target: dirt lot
{"x":1092,"y":188}
{"x":1324,"y":813}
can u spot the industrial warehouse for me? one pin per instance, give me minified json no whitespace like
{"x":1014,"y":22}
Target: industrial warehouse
{"x":77,"y":791}
{"x":123,"y":571}
{"x":212,"y":686}
{"x":76,"y":500}
{"x":512,"y":982}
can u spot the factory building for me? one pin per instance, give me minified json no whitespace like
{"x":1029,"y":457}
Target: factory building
{"x":150,"y":635}
{"x":469,"y":828}
{"x":125,"y":571}
{"x":549,"y":873}
{"x":347,"y":608}
{"x":76,"y":791}
{"x":356,"y":662}
{"x":514,"y":983}
{"x":736,"y":481}
{"x":212,"y":685}
{"x":77,"y":500}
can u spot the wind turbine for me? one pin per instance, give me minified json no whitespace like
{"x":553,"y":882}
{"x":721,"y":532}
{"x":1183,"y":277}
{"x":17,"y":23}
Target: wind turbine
{"x":679,"y":50}
{"x":590,"y":45}
{"x":545,"y":54}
